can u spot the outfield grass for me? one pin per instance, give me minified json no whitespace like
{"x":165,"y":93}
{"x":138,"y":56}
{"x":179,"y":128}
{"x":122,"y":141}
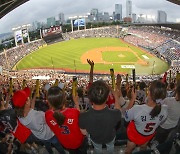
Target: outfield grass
{"x":67,"y":54}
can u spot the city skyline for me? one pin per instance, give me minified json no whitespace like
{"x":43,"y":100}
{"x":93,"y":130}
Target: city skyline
{"x":41,"y":10}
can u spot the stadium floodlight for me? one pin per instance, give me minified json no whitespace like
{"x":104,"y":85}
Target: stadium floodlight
{"x":78,"y":17}
{"x":83,"y":16}
{"x":19,"y":34}
{"x":71,"y":23}
{"x":23,"y":26}
{"x":27,"y":25}
{"x":16,"y":28}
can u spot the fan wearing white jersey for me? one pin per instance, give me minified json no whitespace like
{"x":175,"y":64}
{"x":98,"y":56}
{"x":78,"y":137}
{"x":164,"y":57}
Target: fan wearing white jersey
{"x":144,"y":119}
{"x":173,"y":117}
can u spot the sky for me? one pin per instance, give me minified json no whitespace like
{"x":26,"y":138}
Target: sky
{"x":39,"y":10}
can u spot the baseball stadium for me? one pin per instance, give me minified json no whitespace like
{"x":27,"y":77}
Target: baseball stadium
{"x":106,"y":53}
{"x":90,"y":87}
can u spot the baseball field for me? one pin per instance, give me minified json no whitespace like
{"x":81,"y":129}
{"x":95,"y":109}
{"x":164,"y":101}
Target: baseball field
{"x":70,"y":56}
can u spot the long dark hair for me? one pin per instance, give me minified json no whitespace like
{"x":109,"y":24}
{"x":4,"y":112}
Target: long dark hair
{"x":157,"y":92}
{"x":81,"y":95}
{"x":56,"y":97}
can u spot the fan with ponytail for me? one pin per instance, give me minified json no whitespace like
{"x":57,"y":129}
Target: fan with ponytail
{"x":56,"y":98}
{"x":157,"y":92}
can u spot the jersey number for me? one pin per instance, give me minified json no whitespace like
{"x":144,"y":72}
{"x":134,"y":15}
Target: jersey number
{"x":65,"y":129}
{"x":149,"y":127}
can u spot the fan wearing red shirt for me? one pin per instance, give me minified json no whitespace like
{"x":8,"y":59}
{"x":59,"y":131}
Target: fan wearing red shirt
{"x":64,"y":122}
{"x":10,"y":124}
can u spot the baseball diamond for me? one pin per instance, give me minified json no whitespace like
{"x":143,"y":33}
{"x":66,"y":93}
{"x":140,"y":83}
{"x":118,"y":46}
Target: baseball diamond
{"x":105,"y":52}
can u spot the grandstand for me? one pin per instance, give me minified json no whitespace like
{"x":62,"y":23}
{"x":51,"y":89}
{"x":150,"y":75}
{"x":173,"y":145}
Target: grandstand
{"x":10,"y":57}
{"x":111,"y":31}
{"x":161,"y":42}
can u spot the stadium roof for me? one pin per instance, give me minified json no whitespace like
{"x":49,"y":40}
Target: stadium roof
{"x":175,"y":1}
{"x":7,"y":6}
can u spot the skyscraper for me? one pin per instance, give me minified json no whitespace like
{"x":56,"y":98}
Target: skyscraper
{"x":94,"y":14}
{"x":161,"y":17}
{"x":128,"y":8}
{"x":61,"y":18}
{"x":100,"y":16}
{"x":106,"y":16}
{"x":118,"y":12}
{"x":133,"y":17}
{"x":51,"y":21}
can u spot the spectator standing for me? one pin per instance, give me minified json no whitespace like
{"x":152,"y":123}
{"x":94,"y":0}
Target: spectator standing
{"x":100,"y":121}
{"x":10,"y":122}
{"x":144,"y":119}
{"x":173,"y":117}
{"x":34,"y":120}
{"x":64,"y":122}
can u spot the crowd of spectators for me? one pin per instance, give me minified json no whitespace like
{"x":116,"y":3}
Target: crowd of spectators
{"x":111,"y":31}
{"x":163,"y":42}
{"x":10,"y":57}
{"x":171,"y":50}
{"x":147,"y":36}
{"x":106,"y":115}
{"x":150,"y":36}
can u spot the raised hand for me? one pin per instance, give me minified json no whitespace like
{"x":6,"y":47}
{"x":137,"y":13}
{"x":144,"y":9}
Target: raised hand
{"x":133,"y":93}
{"x":118,"y":80}
{"x":76,"y":101}
{"x":116,"y":94}
{"x":90,"y":62}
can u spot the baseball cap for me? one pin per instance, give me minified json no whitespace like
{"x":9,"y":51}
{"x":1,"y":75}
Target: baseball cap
{"x":28,"y":91}
{"x":20,"y":97}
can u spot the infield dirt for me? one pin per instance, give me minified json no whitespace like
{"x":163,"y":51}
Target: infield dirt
{"x":96,"y":55}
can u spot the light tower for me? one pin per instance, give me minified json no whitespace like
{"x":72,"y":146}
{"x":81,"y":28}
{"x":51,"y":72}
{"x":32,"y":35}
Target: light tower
{"x":72,"y":27}
{"x":78,"y":18}
{"x":20,"y":32}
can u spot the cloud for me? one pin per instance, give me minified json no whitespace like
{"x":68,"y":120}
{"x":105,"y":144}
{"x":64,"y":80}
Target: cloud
{"x":150,"y":4}
{"x":39,"y":10}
